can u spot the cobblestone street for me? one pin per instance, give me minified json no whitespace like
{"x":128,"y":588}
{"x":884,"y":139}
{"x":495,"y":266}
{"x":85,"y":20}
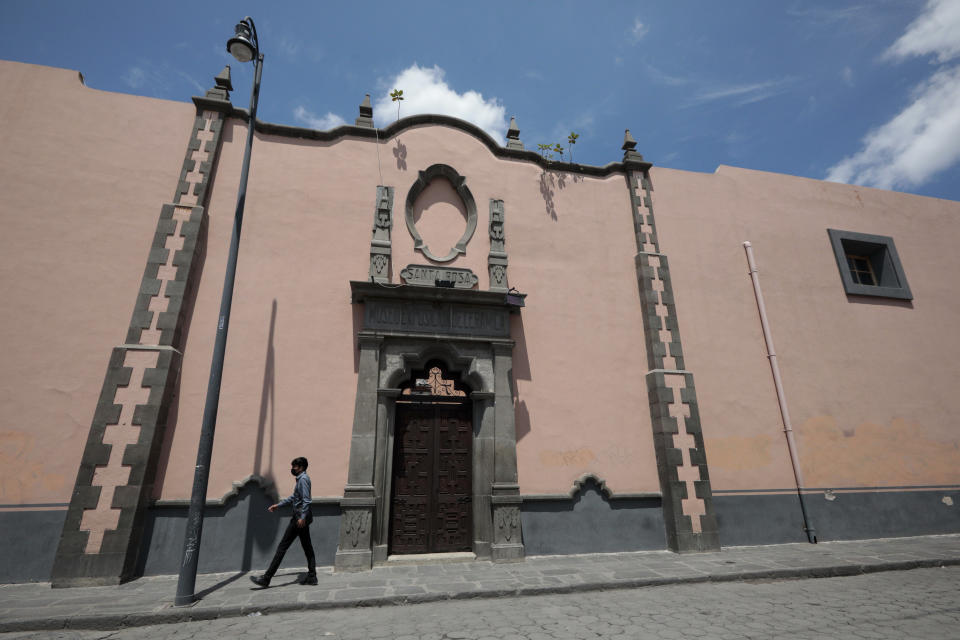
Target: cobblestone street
{"x":917,"y":604}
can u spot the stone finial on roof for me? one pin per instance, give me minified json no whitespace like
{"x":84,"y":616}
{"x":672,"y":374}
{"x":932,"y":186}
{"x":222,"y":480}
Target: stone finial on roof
{"x":366,"y":113}
{"x":629,"y":146}
{"x":513,"y":135}
{"x":223,"y":85}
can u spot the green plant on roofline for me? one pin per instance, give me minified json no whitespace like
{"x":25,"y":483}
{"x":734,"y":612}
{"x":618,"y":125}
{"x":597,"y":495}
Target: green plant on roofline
{"x":572,"y":140}
{"x":396,"y":96}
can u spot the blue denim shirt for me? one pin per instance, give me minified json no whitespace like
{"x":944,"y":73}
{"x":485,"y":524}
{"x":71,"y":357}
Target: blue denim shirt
{"x":300,"y":498}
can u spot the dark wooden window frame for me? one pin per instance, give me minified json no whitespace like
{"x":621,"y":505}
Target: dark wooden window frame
{"x":881,"y":253}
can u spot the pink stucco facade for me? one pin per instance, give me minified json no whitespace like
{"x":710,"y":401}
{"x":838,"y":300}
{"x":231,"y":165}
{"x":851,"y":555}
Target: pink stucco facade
{"x":307,"y":234}
{"x":591,"y":390}
{"x":83,"y":171}
{"x":869,"y":382}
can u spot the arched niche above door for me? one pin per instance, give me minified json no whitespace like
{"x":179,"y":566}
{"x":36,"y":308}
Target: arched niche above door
{"x":458,"y":183}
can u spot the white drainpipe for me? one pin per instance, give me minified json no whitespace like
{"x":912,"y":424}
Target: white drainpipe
{"x":781,"y":396}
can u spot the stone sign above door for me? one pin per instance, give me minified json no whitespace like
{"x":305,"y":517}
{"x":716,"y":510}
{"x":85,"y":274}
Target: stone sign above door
{"x":426,"y":275}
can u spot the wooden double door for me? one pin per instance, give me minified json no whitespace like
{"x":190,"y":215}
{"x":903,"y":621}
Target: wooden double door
{"x":431,"y":486}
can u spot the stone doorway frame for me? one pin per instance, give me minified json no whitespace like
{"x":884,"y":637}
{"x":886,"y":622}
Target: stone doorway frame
{"x":381,"y":546}
{"x":388,"y":356}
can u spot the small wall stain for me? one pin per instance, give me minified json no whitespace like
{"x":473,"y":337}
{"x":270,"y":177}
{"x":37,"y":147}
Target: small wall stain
{"x":900,"y":452}
{"x":26,"y":475}
{"x":577,"y":457}
{"x":737,"y":453}
{"x":947,"y":500}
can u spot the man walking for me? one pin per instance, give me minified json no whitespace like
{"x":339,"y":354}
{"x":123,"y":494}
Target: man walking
{"x":299,"y":526}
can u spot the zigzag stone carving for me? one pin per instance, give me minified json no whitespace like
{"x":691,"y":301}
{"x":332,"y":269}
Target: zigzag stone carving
{"x":103,"y":528}
{"x":678,"y":441}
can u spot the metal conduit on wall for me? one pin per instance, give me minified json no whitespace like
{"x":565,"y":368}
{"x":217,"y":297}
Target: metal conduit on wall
{"x":781,"y":396}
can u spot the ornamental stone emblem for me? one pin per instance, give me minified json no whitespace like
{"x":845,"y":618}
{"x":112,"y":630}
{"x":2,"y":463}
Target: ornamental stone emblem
{"x":459,"y":185}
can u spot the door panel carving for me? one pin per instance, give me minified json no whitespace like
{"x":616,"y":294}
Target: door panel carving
{"x":431,"y":491}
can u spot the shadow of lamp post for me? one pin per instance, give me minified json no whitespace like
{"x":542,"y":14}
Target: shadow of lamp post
{"x":244,"y":46}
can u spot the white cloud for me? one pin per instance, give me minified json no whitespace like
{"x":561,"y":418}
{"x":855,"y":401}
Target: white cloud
{"x":920,"y":141}
{"x":328,"y":121}
{"x":134,"y":77}
{"x":159,"y":80}
{"x":664,"y":78}
{"x":743,"y":94}
{"x":861,"y":20}
{"x":425,"y":91}
{"x":827,"y":15}
{"x":582,"y":122}
{"x":935,"y":30}
{"x":638,"y":30}
{"x":915,"y":145}
{"x":289,"y":46}
{"x":193,"y":82}
{"x":847,"y":74}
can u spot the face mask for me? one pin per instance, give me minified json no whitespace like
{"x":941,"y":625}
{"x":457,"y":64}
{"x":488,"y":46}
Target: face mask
{"x":293,"y":472}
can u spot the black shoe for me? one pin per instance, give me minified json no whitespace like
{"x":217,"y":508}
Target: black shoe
{"x":260,"y":581}
{"x":310,"y":580}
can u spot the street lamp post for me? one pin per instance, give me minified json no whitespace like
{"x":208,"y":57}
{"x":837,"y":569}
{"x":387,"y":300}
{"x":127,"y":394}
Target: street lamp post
{"x":244,"y":46}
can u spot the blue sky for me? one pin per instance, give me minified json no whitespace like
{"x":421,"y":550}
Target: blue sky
{"x":865,"y":92}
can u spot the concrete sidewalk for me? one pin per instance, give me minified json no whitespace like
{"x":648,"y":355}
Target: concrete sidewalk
{"x":148,"y":601}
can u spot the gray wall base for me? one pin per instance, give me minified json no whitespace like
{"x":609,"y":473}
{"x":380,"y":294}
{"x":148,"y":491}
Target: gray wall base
{"x":507,"y":552}
{"x":353,"y":560}
{"x":29,"y":544}
{"x":776,"y":519}
{"x":592,"y":523}
{"x":481,"y":549}
{"x":241,"y":536}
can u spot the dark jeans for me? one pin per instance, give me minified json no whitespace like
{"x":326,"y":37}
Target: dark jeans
{"x":293,"y":531}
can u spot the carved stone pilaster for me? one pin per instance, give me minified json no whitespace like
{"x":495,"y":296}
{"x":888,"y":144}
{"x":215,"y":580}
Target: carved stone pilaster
{"x":507,"y":532}
{"x":497,"y":260}
{"x":386,"y":410}
{"x":505,"y":492}
{"x":484,"y":448}
{"x":380,"y":243}
{"x":354,"y":550}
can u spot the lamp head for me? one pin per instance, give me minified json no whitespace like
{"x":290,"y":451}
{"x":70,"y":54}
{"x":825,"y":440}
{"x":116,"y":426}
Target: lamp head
{"x":240,"y":45}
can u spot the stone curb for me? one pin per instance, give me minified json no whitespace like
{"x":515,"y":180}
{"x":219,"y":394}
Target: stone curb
{"x":195,"y":613}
